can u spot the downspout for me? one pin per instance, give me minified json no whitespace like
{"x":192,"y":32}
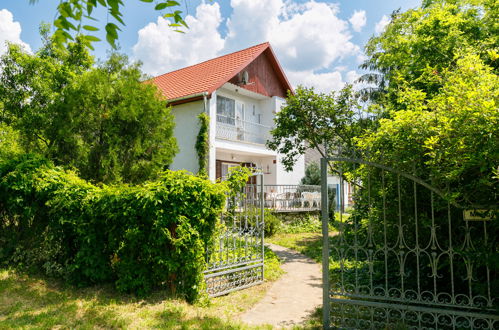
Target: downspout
{"x":207,"y":111}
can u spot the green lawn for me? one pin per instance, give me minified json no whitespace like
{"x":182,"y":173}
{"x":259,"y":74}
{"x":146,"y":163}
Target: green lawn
{"x":28,"y":301}
{"x":310,"y":244}
{"x":33,"y":302}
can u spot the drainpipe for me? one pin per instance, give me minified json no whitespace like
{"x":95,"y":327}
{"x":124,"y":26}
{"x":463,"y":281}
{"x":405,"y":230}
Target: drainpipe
{"x":207,"y":111}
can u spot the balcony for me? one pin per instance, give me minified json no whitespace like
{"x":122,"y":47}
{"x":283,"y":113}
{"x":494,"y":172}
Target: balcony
{"x":241,"y":130}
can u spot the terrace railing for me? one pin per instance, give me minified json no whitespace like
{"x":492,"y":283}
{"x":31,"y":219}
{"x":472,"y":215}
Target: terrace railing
{"x":290,"y":198}
{"x":241,"y":130}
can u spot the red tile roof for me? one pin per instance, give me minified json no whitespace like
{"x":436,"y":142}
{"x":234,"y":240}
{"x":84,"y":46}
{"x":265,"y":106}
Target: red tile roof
{"x":210,"y":75}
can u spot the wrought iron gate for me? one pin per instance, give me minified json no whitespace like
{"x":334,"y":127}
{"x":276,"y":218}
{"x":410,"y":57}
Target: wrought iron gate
{"x":405,"y":258}
{"x":236,"y":259}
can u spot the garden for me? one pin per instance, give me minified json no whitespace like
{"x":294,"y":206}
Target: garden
{"x":97,"y":232}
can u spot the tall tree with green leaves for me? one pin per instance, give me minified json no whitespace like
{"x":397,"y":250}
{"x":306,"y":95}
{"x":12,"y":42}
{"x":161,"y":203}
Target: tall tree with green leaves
{"x":420,"y":43}
{"x":101,"y":120}
{"x":324,"y":122}
{"x":450,"y":140}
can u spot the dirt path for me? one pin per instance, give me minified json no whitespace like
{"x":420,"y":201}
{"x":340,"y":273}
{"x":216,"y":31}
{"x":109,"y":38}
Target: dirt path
{"x":293,"y":297}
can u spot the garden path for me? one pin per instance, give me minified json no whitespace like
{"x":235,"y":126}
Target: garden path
{"x":293,"y":297}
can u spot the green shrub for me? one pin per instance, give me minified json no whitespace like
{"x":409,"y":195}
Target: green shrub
{"x":272,"y":223}
{"x":310,"y":223}
{"x":140,"y":237}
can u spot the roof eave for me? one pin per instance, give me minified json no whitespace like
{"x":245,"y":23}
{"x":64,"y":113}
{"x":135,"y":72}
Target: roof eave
{"x":189,"y":98}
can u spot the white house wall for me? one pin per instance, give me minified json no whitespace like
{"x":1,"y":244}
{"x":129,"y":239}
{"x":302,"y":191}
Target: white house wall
{"x":293,"y":177}
{"x":186,"y":131}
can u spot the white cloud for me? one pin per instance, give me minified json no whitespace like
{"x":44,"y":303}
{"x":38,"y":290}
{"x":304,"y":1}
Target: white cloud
{"x":251,"y":22}
{"x":381,"y":25}
{"x":352,"y":76}
{"x":162,"y":50}
{"x":358,"y":20}
{"x":10,"y":31}
{"x":322,"y":82}
{"x":312,"y":39}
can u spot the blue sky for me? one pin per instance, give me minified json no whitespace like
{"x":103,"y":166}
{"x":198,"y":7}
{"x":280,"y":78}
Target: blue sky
{"x":319,"y":43}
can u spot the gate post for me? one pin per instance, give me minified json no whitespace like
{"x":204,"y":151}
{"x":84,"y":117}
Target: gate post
{"x":325,"y":244}
{"x":262,"y":219}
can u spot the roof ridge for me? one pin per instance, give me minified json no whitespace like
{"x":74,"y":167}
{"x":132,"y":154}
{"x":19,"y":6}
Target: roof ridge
{"x":211,"y":59}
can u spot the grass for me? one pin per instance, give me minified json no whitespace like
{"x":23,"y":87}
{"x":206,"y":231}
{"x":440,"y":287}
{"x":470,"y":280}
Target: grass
{"x":309,"y":244}
{"x":34,"y":302}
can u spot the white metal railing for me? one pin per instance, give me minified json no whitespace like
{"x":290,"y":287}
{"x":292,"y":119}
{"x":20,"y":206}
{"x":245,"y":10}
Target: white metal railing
{"x":290,"y":198}
{"x":241,"y":130}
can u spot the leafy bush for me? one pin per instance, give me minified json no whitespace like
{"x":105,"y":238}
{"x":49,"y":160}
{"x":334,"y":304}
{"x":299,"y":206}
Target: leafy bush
{"x":140,"y":237}
{"x":9,"y":145}
{"x":102,"y":120}
{"x":312,"y":175}
{"x":308,"y":224}
{"x":272,"y":223}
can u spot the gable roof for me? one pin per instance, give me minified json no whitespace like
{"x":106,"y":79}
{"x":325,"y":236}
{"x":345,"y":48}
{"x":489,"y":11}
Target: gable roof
{"x":208,"y":76}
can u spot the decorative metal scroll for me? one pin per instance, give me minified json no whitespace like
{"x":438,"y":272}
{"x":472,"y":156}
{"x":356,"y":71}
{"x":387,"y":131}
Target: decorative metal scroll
{"x":405,"y":258}
{"x":236,"y":259}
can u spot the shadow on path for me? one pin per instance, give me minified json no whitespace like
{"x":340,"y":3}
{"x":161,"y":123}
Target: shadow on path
{"x":292,"y":298}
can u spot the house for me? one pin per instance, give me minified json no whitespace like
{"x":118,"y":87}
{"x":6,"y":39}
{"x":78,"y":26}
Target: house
{"x":241,"y":92}
{"x":344,"y":200}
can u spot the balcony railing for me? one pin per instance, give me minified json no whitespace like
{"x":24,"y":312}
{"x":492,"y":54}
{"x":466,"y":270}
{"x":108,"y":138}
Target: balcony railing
{"x":289,"y":198}
{"x":241,"y":130}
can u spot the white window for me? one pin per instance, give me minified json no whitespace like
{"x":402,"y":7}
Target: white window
{"x":226,"y":110}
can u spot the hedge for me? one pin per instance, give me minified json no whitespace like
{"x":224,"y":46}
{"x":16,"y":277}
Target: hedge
{"x":139,"y":237}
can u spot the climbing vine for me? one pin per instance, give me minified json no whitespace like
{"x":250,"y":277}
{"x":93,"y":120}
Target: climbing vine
{"x":202,"y":144}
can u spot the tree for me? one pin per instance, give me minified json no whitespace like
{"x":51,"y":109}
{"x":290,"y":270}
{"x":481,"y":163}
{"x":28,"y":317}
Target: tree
{"x":450,"y":140}
{"x":312,"y":175}
{"x":325,"y":122}
{"x":9,"y":142}
{"x":75,"y":16}
{"x":102,"y":121}
{"x":420,"y":43}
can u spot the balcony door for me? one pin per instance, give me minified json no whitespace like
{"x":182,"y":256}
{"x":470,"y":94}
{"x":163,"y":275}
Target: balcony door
{"x":240,"y":120}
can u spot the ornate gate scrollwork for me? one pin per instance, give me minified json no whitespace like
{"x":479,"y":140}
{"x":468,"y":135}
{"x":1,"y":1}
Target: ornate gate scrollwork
{"x":406,"y":258}
{"x":236,"y":259}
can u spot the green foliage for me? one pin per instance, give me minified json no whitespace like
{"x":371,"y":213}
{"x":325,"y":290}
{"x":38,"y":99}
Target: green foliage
{"x":202,"y":143}
{"x":451,"y":140}
{"x":312,"y":175}
{"x":9,"y":142}
{"x":75,"y":17}
{"x":139,"y":237}
{"x":273,"y":268}
{"x":272,"y":223}
{"x":420,"y":43}
{"x":237,"y":179}
{"x":309,"y":223}
{"x":314,"y":120}
{"x":102,"y":121}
